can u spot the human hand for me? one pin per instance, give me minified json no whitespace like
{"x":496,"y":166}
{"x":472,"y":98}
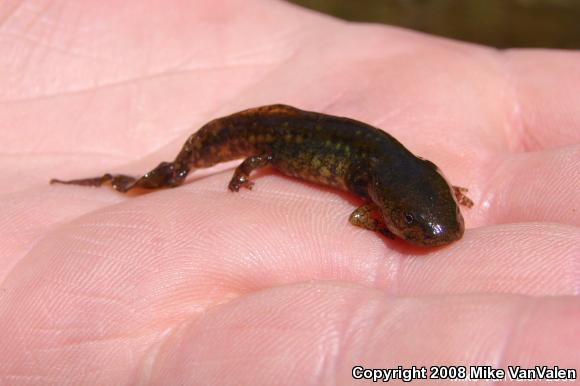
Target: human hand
{"x":198,"y":285}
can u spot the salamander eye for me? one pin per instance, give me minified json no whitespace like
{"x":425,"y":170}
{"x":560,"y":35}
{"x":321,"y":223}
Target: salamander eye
{"x":409,"y":219}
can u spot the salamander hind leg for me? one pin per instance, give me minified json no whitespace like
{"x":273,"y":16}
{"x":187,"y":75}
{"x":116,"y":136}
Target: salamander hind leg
{"x":368,"y":217}
{"x":461,"y":197}
{"x":241,"y":176}
{"x":165,"y":175}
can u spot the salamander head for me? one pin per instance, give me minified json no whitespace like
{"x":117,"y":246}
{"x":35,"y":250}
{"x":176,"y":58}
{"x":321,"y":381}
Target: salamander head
{"x":418,"y":205}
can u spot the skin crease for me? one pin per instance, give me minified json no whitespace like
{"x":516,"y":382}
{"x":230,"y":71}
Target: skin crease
{"x":198,"y":285}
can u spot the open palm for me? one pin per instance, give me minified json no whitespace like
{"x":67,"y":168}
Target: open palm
{"x":197,"y":285}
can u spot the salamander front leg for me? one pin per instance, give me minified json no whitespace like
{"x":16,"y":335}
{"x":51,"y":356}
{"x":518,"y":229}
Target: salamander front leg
{"x":369,"y":217}
{"x":241,"y":176}
{"x":165,"y":175}
{"x":461,"y":197}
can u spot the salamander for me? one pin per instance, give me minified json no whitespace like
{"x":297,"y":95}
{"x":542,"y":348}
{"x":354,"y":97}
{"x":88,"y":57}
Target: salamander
{"x":404,"y":195}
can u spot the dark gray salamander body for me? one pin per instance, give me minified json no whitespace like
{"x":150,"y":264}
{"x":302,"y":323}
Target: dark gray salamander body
{"x":405,"y":195}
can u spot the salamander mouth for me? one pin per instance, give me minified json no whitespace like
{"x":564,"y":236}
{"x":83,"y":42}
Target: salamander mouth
{"x":433,"y":235}
{"x":426,"y":241}
{"x":432,"y":241}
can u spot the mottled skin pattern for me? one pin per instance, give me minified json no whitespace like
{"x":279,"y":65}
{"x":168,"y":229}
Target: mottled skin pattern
{"x":406,"y":196}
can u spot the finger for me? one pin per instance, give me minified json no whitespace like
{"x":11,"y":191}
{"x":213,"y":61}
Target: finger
{"x":284,"y":232}
{"x":537,"y":186}
{"x":523,"y":258}
{"x":28,"y":216}
{"x":147,"y":264}
{"x":329,"y":329}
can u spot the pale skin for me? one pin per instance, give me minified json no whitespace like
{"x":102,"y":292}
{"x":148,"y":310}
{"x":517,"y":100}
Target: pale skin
{"x":199,"y":285}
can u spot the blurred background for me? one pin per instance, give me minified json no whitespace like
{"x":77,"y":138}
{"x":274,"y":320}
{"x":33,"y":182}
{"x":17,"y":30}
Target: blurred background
{"x":498,"y":23}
